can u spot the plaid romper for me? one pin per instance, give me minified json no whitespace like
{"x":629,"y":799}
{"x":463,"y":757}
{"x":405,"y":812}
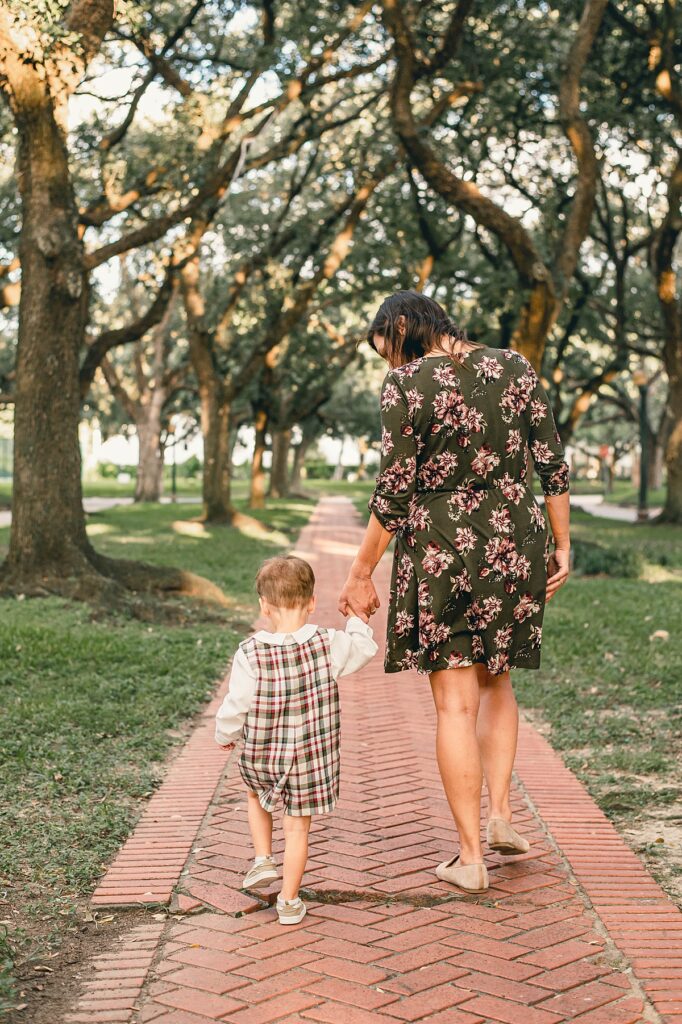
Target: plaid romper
{"x":291,"y":732}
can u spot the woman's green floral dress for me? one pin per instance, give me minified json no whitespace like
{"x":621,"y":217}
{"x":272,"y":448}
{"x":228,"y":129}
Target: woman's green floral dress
{"x":469,"y":568}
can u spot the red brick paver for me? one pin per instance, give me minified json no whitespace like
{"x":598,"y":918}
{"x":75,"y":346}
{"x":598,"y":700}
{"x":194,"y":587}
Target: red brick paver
{"x":574,"y":931}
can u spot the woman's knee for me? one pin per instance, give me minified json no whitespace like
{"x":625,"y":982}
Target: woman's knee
{"x":456,"y":692}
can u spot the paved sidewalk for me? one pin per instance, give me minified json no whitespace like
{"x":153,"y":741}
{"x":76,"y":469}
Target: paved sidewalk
{"x":575,"y":931}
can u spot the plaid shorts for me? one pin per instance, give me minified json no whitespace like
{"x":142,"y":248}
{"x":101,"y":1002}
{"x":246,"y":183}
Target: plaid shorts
{"x":291,"y":733}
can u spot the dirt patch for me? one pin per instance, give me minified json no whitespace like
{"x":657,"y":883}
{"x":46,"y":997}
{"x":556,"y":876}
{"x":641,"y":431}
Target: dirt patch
{"x":49,"y":986}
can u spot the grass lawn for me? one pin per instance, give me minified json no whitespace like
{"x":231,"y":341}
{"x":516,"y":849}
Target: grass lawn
{"x":91,"y":710}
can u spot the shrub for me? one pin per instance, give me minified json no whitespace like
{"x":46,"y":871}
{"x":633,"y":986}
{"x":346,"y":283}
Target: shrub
{"x":592,"y":559}
{"x":318,"y":469}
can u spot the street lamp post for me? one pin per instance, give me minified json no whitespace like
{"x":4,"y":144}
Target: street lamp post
{"x":641,"y":381}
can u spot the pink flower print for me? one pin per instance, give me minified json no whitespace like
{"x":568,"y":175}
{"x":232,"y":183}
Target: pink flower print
{"x":537,"y":517}
{"x":517,"y":395}
{"x":430,"y":475}
{"x":445,"y":376}
{"x":423,"y":594}
{"x":500,"y":552}
{"x":410,"y":660}
{"x":526,"y":607}
{"x":461,"y":583}
{"x":409,"y":369}
{"x":467,"y":499}
{"x":538,"y":411}
{"x":503,"y":637}
{"x":389,"y":396}
{"x":513,"y":442}
{"x":458,"y":660}
{"x":403,"y":575}
{"x":512,"y":490}
{"x":558,"y":481}
{"x":433,"y":472}
{"x":484,"y":460}
{"x":480,"y":614}
{"x":381,"y":504}
{"x":449,"y":407}
{"x":475,"y":420}
{"x":399,"y":476}
{"x":415,"y":400}
{"x":477,"y":648}
{"x":465,"y":539}
{"x":489,"y":369}
{"x":500,"y":520}
{"x":541,"y":451}
{"x":535,"y":636}
{"x":498,"y":664}
{"x":436,"y":559}
{"x":403,"y":623}
{"x":386,"y":441}
{"x":418,"y":517}
{"x":431,"y":633}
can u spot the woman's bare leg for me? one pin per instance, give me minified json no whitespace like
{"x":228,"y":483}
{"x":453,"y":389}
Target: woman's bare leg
{"x":497,"y":731}
{"x":260,"y":826}
{"x":456,"y":696}
{"x":296,"y":831}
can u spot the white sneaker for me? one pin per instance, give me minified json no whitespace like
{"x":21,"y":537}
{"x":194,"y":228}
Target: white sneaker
{"x":260,"y":875}
{"x":290,"y":911}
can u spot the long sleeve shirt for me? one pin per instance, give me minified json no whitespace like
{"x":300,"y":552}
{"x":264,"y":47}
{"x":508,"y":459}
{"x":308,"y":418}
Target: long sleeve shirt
{"x":350,"y":649}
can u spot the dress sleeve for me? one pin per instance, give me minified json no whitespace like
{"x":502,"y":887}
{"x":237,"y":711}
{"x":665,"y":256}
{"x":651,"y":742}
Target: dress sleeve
{"x":351,"y":648}
{"x":545,"y":444}
{"x":238,"y":700}
{"x":397,"y":478}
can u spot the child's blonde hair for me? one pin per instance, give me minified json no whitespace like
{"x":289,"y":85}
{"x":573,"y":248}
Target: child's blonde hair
{"x":285,"y":581}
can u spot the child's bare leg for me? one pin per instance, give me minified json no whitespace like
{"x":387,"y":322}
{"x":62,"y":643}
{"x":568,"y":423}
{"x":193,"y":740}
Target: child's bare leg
{"x":260,"y":824}
{"x":296,"y":831}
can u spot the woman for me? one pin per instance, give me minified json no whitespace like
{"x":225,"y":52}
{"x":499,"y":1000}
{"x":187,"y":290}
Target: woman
{"x":471,"y":564}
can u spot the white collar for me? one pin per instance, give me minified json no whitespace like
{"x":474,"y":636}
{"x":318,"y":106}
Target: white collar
{"x":299,"y":637}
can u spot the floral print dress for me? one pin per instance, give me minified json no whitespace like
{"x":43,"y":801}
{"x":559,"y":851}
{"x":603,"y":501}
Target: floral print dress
{"x":469,"y":565}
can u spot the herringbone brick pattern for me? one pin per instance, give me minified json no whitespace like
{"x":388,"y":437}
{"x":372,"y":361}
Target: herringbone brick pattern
{"x":384,"y":940}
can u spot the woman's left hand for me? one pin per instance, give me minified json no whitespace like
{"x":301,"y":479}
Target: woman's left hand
{"x":558,"y":568}
{"x":359,"y":597}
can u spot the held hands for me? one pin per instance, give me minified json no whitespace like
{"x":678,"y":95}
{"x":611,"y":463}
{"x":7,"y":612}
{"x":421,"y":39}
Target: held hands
{"x":558,"y":568}
{"x":358,"y":597}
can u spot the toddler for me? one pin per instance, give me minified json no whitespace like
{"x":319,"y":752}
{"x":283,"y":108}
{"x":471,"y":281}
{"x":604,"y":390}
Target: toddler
{"x":284,"y":701}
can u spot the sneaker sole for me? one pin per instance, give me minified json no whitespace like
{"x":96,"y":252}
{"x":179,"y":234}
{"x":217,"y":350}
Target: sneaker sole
{"x":262,"y":882}
{"x":293,"y":920}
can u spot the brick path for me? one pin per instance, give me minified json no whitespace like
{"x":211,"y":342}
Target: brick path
{"x":574,"y":931}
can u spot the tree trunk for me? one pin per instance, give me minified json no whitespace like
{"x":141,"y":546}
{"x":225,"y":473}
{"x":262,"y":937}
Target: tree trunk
{"x":672,"y":509}
{"x":149,"y":484}
{"x":48,"y":537}
{"x":279,"y":472}
{"x":300,"y":453}
{"x":257,"y":494}
{"x":215,"y":426}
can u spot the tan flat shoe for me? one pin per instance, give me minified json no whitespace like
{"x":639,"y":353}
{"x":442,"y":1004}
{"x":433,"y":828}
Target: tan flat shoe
{"x":504,"y":839}
{"x":470,"y":877}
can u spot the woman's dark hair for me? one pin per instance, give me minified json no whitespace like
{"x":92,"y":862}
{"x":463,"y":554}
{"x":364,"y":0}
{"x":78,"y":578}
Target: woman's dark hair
{"x":425,"y":324}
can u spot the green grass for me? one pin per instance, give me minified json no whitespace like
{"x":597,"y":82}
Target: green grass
{"x":91,"y":709}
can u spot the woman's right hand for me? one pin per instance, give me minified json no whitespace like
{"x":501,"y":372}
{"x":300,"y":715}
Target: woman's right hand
{"x":359,"y":597}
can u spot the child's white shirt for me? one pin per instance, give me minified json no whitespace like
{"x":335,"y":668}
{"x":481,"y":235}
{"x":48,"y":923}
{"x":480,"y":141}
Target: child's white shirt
{"x":350,"y":649}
